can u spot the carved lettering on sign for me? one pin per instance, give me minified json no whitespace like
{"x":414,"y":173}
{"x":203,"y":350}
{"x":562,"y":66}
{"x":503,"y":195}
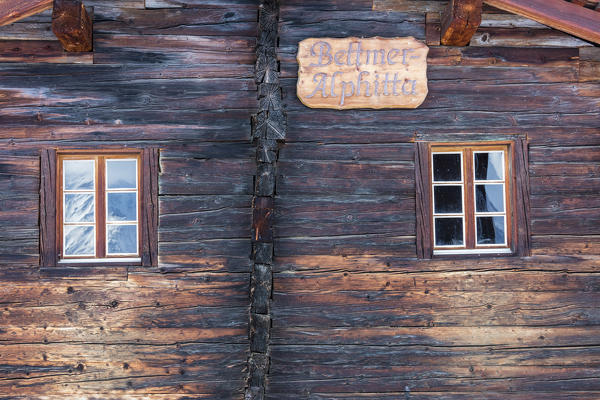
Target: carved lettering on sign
{"x":362,"y":73}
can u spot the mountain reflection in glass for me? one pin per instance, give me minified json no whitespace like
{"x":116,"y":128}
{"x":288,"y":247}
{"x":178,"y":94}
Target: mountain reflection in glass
{"x":447,"y":199}
{"x":489,"y":166}
{"x":446,"y":167}
{"x":448,"y":231}
{"x":490,"y":230}
{"x":121,"y":174}
{"x":489,"y":198}
{"x":79,"y":207}
{"x":79,"y":240}
{"x":79,"y":174}
{"x":121,"y":206}
{"x":121,"y":239}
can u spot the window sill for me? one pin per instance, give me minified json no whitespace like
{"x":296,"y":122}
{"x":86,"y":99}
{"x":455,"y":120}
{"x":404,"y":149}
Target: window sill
{"x":471,"y":252}
{"x":99,"y":261}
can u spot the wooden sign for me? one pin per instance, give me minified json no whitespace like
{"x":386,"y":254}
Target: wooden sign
{"x":362,"y":73}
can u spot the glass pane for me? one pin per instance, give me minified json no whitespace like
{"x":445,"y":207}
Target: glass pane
{"x":448,"y":232}
{"x":489,"y":198}
{"x":121,"y":206}
{"x":121,"y":174}
{"x":79,"y":240}
{"x":121,"y":239}
{"x":79,"y":207}
{"x":446,"y":167}
{"x":490,"y":230}
{"x":447,"y":199}
{"x":79,"y":174}
{"x":489,"y":166}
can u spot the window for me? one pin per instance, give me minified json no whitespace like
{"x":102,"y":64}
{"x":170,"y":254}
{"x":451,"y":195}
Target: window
{"x":472,"y":199}
{"x":99,"y":207}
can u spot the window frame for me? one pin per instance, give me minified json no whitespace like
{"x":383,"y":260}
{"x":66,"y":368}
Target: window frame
{"x":101,"y":191}
{"x":51,"y":216}
{"x":516,"y":198}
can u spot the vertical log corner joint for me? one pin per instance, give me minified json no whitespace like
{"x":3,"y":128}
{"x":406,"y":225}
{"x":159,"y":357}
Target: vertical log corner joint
{"x":460,"y":21}
{"x":72,"y":25}
{"x":269,"y":127}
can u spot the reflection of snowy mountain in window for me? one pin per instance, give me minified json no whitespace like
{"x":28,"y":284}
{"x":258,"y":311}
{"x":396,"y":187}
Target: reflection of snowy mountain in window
{"x":79,"y":207}
{"x":79,"y":240}
{"x":79,"y":174}
{"x":122,"y":239}
{"x":121,"y":174}
{"x":122,"y":206}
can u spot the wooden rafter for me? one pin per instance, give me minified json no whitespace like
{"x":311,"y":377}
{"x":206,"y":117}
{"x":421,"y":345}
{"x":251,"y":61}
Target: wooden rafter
{"x":559,"y":14}
{"x":460,"y":21}
{"x":14,"y":10}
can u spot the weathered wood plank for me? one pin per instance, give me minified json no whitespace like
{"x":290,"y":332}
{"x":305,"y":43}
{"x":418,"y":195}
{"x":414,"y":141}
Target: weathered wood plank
{"x":12,"y":11}
{"x":39,"y":51}
{"x":460,"y":281}
{"x":418,"y":307}
{"x":214,"y":21}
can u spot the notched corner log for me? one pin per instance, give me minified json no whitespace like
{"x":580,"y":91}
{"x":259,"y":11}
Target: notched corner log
{"x":460,"y":21}
{"x":262,"y":253}
{"x":72,"y":25}
{"x":259,"y":332}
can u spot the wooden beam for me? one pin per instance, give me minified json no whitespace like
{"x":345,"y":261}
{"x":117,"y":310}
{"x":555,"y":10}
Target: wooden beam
{"x":559,"y":14}
{"x":72,"y":25}
{"x":460,"y":21}
{"x":14,"y":10}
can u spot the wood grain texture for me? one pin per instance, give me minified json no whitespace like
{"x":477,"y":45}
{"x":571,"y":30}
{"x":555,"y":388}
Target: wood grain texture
{"x":72,"y":25}
{"x":459,"y":22}
{"x":423,"y":201}
{"x":559,"y":14}
{"x":14,"y":10}
{"x":48,"y":228}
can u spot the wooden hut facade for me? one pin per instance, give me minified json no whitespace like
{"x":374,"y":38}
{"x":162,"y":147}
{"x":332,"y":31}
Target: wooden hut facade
{"x":175,"y":223}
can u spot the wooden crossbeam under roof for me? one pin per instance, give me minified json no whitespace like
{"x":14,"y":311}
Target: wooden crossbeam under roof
{"x":462,"y":18}
{"x":558,"y":14}
{"x":70,"y":22}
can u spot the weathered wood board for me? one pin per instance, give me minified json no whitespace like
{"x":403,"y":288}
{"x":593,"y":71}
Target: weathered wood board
{"x":362,"y":73}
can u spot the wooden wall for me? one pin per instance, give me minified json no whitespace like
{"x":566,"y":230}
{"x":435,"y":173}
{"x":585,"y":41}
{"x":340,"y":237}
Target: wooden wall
{"x":162,"y":75}
{"x":355,"y":315}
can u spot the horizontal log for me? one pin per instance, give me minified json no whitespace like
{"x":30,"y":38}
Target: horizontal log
{"x":213,"y":21}
{"x":381,"y":260}
{"x":459,"y":281}
{"x":506,"y":336}
{"x":200,"y":3}
{"x":40,"y":51}
{"x":354,"y":152}
{"x":107,"y":335}
{"x":566,"y":244}
{"x":173,"y":49}
{"x":347,"y":245}
{"x":367,"y":308}
{"x":208,"y":127}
